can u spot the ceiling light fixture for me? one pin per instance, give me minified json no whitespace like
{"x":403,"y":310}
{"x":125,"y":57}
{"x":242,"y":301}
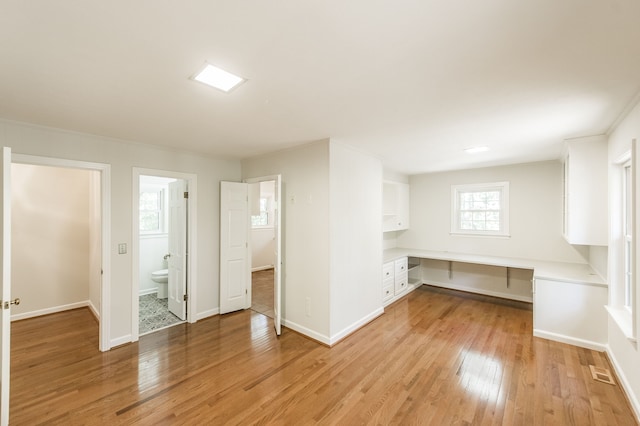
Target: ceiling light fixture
{"x":476,"y":149}
{"x":218,"y":78}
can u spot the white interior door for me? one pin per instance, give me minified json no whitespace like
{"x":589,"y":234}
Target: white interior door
{"x":177,"y":261}
{"x":235,"y":270}
{"x":5,"y":272}
{"x":277,"y":277}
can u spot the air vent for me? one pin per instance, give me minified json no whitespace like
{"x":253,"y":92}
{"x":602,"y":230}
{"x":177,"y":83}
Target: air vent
{"x":601,"y":375}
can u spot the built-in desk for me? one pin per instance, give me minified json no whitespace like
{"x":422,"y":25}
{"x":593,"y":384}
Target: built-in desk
{"x":568,"y":298}
{"x":579,"y":273}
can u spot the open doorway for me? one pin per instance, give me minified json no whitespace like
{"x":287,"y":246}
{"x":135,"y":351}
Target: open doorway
{"x":237,"y":203}
{"x":163,"y":250}
{"x":263,"y":246}
{"x":62,"y":211}
{"x":162,"y":229}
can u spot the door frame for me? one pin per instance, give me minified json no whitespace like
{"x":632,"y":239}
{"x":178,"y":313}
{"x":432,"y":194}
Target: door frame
{"x":104,"y":340}
{"x":192,"y":242}
{"x":278,"y":277}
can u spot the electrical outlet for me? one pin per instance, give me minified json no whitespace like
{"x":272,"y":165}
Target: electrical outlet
{"x":307,"y":307}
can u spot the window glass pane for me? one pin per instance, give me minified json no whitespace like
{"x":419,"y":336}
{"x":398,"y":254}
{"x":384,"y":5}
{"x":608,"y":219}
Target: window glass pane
{"x":481,"y":210}
{"x":149,"y":201}
{"x":149,"y":221}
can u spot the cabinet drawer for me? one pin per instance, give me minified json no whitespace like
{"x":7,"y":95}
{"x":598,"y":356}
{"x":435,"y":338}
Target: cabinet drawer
{"x":401,"y":266}
{"x":387,"y":292}
{"x":387,"y":271}
{"x":388,"y":282}
{"x":401,"y":283}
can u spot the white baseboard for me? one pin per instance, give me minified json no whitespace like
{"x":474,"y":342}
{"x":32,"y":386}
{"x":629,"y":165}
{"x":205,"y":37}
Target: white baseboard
{"x":94,"y":310}
{"x":624,"y":383}
{"x":600,"y":347}
{"x":261,"y":268}
{"x":481,"y":291}
{"x":307,"y":332}
{"x":356,"y":326}
{"x":148,"y":291}
{"x":119,"y":341}
{"x":52,"y":310}
{"x":206,"y":314}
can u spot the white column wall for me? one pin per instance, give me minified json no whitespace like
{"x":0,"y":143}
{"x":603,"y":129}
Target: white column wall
{"x":356,"y":243}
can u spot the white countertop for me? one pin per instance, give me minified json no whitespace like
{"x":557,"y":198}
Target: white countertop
{"x":580,"y":273}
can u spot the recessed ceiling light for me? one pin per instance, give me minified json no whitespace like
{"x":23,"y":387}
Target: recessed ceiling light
{"x":218,"y":78}
{"x":476,"y":149}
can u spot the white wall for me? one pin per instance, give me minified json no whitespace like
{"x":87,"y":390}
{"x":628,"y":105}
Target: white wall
{"x":624,"y":353}
{"x":50,"y":238}
{"x":305,"y":245}
{"x":535,"y":193}
{"x":123,"y":156}
{"x":356,"y":244}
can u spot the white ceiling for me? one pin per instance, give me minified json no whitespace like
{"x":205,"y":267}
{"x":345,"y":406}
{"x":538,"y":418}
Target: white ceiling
{"x":412,"y":82}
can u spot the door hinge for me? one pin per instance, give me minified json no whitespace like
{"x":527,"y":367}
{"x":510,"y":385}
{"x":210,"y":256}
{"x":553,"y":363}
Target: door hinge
{"x":185,"y":297}
{"x":186,"y":195}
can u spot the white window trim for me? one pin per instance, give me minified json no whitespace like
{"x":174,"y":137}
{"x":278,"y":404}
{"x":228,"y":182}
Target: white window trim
{"x":479,"y":187}
{"x":624,"y":316}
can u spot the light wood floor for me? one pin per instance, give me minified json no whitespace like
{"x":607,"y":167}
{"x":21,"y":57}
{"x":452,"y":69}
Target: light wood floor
{"x":435,"y":357}
{"x":262,"y":292}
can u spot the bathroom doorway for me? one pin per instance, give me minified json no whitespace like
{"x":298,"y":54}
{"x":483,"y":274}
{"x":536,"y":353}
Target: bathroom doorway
{"x":162,"y":230}
{"x":163,"y":249}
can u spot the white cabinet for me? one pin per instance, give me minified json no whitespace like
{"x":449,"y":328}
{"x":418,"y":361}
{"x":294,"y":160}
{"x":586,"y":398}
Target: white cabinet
{"x":397,"y":276}
{"x":585,"y":192}
{"x":395,"y":208}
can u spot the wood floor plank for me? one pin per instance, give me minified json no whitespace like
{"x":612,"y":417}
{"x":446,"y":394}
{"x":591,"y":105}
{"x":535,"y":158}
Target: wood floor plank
{"x":435,"y":357}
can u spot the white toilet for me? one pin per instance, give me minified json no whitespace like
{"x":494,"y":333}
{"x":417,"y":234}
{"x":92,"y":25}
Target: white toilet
{"x":161,"y":277}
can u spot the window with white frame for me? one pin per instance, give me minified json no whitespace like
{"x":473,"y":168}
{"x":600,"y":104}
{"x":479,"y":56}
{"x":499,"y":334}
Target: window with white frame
{"x":480,"y":209}
{"x":152,"y":220}
{"x":627,"y":232}
{"x":261,"y":220}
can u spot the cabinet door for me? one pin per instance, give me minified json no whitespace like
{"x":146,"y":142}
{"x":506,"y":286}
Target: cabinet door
{"x":402,"y":215}
{"x":400,"y":266}
{"x":585,"y":192}
{"x":401,"y":283}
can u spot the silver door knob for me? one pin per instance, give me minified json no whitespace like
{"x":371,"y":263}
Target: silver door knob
{"x":15,"y":301}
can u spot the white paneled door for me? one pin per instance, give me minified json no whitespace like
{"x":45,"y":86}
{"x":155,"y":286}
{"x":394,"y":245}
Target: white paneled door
{"x":177,"y":261}
{"x":5,"y":272}
{"x":235,"y":273}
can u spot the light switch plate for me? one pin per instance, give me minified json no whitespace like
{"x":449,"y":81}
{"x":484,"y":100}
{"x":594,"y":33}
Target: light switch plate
{"x":122,"y":248}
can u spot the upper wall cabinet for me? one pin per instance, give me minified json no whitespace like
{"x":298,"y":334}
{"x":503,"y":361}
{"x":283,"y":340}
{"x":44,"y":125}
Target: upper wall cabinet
{"x":585,"y":191}
{"x":395,"y":208}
